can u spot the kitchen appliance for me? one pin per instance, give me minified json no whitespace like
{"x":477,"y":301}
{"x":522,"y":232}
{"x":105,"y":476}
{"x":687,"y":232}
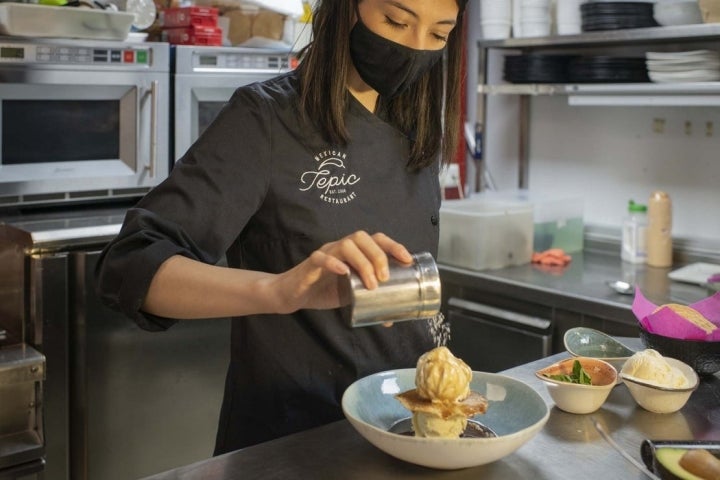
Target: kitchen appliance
{"x":118,"y":402}
{"x":81,"y":120}
{"x":204,"y":79}
{"x":22,"y":369}
{"x":411,"y":293}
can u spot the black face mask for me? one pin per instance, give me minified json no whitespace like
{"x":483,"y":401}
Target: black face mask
{"x":388,"y":67}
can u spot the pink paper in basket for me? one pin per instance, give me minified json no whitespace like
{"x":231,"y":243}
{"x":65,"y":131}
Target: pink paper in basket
{"x":667,"y":323}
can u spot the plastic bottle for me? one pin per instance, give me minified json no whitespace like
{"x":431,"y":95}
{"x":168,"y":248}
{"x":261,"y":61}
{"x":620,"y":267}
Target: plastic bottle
{"x":634,"y":246}
{"x":659,"y":232}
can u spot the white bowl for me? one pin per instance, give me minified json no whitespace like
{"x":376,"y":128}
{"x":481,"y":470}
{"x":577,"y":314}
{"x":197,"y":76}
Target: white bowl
{"x":516,"y":412}
{"x":662,"y":399}
{"x":575,"y":397}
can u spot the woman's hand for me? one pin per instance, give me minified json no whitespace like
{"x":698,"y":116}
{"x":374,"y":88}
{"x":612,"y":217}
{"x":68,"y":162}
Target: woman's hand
{"x":314,"y":284}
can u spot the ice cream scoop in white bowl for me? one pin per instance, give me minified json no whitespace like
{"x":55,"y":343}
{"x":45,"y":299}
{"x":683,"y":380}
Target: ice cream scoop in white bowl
{"x":515,"y":414}
{"x":659,"y":384}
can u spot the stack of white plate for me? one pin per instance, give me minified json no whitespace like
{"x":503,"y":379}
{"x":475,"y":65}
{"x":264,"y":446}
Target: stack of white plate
{"x":690,"y":66}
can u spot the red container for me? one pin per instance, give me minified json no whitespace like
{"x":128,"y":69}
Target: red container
{"x":189,"y":17}
{"x":193,"y":35}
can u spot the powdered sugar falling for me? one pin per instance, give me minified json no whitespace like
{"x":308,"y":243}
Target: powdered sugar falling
{"x":439,"y":329}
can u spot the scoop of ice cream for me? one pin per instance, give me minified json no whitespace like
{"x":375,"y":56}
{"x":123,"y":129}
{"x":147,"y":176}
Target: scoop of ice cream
{"x":442,"y":377}
{"x":652,"y":367}
{"x":432,"y":425}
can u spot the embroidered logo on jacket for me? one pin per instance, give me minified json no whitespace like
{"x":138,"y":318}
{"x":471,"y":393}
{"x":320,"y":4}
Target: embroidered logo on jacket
{"x":330,"y":178}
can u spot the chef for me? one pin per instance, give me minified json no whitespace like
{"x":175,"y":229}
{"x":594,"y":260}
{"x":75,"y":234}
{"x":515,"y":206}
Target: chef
{"x":300,"y":179}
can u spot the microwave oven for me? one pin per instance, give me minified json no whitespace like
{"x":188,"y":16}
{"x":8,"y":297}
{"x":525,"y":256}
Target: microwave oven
{"x":81,"y":121}
{"x":204,"y":79}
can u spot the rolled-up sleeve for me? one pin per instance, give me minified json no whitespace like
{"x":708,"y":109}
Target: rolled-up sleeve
{"x":198,"y":212}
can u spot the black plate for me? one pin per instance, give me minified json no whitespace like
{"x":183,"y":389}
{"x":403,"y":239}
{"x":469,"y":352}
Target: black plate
{"x":649,"y":447}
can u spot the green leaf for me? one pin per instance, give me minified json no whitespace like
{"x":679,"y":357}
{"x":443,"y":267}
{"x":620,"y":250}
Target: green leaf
{"x":579,"y":375}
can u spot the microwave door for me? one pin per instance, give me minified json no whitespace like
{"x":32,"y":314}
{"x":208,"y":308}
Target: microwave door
{"x":194,"y":111}
{"x":200,"y":96}
{"x":74,"y":131}
{"x":64,"y":141}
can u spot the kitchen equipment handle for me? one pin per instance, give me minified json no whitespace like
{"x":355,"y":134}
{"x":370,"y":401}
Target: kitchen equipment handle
{"x":154,"y":87}
{"x":511,"y":317}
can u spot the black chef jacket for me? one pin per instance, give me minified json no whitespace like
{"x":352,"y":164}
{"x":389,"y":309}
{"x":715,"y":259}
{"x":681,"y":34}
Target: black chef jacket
{"x":263,"y":189}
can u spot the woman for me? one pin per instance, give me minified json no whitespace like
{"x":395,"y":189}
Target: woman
{"x":301,"y":178}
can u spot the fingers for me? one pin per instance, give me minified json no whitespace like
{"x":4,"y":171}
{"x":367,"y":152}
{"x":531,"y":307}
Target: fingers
{"x":369,"y":261}
{"x":322,"y":260}
{"x":313,"y":283}
{"x":393,"y":248}
{"x":368,"y":256}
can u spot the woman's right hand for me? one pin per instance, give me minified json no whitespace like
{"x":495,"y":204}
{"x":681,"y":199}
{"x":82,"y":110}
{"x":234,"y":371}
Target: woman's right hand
{"x":313,"y":284}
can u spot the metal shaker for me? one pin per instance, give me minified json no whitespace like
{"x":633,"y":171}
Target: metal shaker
{"x":411,"y":293}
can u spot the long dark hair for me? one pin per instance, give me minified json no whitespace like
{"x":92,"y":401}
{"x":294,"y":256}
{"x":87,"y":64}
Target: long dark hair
{"x":418,"y":112}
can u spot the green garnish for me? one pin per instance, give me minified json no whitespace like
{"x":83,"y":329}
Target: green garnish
{"x":579,"y":375}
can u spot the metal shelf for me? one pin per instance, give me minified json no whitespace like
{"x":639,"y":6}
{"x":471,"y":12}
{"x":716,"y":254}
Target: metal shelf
{"x":670,"y":38}
{"x":701,"y":94}
{"x":692,"y":88}
{"x":698,"y":32}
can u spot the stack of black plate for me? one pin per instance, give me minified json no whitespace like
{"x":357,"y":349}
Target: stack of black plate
{"x":536,"y":68}
{"x":604,"y":69}
{"x":598,"y":16}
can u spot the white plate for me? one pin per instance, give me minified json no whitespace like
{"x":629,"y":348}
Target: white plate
{"x":684,"y":62}
{"x":692,"y":76}
{"x":696,"y":273}
{"x":681,"y":68}
{"x":681,"y":55}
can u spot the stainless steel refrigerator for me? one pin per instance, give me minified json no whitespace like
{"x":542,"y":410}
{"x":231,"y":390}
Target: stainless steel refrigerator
{"x":119,"y":402}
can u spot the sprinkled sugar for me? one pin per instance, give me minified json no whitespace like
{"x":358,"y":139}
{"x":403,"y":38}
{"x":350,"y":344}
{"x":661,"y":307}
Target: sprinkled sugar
{"x":439,"y":329}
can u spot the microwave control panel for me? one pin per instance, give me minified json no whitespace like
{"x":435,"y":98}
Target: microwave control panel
{"x":30,"y":54}
{"x":231,"y":61}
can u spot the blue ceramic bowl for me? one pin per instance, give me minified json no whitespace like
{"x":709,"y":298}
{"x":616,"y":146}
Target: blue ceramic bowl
{"x":516,"y":413}
{"x":588,"y":342}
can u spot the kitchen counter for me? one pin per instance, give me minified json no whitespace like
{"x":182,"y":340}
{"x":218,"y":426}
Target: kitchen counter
{"x":568,"y":447}
{"x":581,"y":286}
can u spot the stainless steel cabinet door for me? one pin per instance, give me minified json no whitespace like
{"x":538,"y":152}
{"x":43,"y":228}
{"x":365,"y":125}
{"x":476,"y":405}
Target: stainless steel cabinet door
{"x":142,"y":402}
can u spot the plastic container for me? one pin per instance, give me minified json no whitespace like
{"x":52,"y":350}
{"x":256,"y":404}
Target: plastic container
{"x":634,"y":230}
{"x":482,"y":234}
{"x":659,"y":231}
{"x":558,"y":221}
{"x":29,"y":20}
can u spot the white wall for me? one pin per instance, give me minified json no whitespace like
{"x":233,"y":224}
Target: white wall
{"x":608,"y":155}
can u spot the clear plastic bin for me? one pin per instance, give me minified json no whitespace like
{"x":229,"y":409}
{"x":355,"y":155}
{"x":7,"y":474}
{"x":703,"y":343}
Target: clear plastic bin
{"x":481,"y":234}
{"x":558,"y":220}
{"x":30,"y":20}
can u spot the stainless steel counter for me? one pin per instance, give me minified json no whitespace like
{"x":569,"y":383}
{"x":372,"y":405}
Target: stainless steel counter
{"x":581,"y":286}
{"x":568,"y":447}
